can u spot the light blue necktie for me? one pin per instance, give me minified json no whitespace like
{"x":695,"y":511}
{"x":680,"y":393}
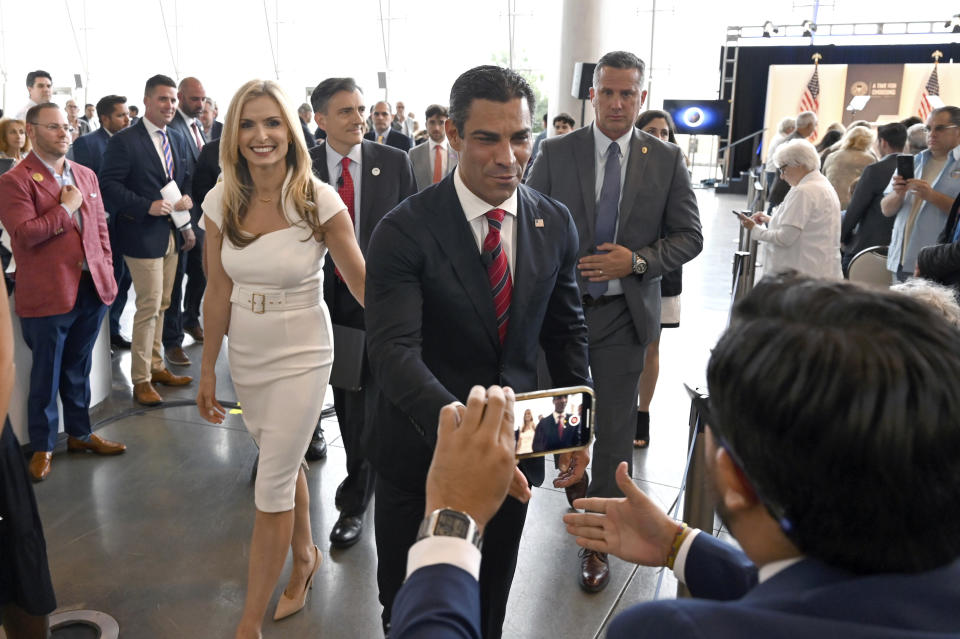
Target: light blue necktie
{"x":167,"y":155}
{"x":607,"y":208}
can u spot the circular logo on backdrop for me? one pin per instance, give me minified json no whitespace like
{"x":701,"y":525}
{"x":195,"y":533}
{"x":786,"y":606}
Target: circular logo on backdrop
{"x":859,"y":88}
{"x":693,"y":117}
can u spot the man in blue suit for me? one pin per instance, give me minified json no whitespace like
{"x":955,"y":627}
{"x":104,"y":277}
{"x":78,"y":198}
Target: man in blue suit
{"x":465,"y":281}
{"x":150,"y":228}
{"x":88,"y":150}
{"x":838,"y":480}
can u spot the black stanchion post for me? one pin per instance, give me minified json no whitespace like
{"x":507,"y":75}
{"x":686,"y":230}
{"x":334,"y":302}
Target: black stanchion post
{"x":697,"y":506}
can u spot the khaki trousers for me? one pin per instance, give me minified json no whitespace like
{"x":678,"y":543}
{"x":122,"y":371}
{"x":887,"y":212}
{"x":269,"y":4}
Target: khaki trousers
{"x":153,"y":283}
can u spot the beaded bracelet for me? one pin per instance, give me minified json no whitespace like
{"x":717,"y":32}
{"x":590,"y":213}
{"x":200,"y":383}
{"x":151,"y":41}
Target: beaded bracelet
{"x":677,"y":542}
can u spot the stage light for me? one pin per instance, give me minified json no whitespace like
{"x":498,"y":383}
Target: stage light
{"x":953,"y":22}
{"x":809,"y":28}
{"x":769,"y":28}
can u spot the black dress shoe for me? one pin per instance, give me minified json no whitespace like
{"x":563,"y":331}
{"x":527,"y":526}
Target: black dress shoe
{"x":346,"y":532}
{"x":317,"y":449}
{"x":118,"y":341}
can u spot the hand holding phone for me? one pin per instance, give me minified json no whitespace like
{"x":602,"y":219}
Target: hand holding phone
{"x":905,"y":166}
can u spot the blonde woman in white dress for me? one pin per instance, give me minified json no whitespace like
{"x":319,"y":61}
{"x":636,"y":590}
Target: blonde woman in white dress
{"x":269,"y":224}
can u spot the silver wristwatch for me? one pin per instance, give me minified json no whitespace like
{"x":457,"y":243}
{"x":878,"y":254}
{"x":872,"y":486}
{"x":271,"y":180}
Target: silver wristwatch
{"x":446,"y":522}
{"x":639,"y":264}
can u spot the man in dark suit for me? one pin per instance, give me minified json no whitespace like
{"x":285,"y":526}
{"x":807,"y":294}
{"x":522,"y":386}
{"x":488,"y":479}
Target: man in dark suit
{"x":371,"y":179}
{"x":864,"y":224}
{"x":305,"y":112}
{"x":879,"y":558}
{"x":88,"y":150}
{"x":464,"y":281}
{"x":554,"y":431}
{"x":54,"y":213}
{"x":941,"y":262}
{"x":138,"y":163}
{"x":630,"y":196}
{"x":134,"y":115}
{"x":382,"y":132}
{"x":184,"y":312}
{"x":212,"y":127}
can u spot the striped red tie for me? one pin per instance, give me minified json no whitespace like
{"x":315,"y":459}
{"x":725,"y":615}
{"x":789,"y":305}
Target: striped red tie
{"x":498,"y":271}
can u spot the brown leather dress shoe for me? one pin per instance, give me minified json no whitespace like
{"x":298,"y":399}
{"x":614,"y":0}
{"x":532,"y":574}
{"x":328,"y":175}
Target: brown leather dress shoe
{"x":196,"y":332}
{"x":95,"y":444}
{"x":177,"y":356}
{"x":40,"y":465}
{"x":594,"y":570}
{"x":144,"y":393}
{"x":164,"y":376}
{"x":577,"y":490}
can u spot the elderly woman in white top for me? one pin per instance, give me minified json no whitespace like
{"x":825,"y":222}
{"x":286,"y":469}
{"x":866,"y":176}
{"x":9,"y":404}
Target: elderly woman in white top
{"x":804,"y":231}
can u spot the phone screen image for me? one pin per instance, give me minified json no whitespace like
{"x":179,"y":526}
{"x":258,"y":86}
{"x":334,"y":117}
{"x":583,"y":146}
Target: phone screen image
{"x":553,"y":421}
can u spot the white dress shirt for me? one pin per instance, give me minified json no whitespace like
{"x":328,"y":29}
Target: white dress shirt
{"x":335,"y":169}
{"x":476,"y":210}
{"x":601,"y":143}
{"x":155,"y":137}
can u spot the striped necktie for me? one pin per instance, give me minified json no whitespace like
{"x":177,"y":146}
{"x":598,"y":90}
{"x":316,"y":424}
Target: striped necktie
{"x":167,"y":155}
{"x":498,"y":271}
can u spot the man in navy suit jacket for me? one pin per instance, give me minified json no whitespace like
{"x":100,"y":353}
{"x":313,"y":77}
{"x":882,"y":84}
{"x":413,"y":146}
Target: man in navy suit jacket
{"x":382,"y":132}
{"x":139,"y":162}
{"x":839,"y":481}
{"x":88,"y":150}
{"x":434,"y":329}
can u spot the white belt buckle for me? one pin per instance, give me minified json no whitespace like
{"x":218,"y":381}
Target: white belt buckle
{"x":258,"y":306}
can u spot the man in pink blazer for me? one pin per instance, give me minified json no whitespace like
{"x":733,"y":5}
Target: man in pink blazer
{"x":64,"y":282}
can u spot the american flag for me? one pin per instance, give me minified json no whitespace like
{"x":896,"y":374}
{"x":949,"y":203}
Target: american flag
{"x":932,"y":89}
{"x":810,"y":100}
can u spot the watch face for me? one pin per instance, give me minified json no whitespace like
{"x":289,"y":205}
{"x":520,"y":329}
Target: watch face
{"x":452,"y":524}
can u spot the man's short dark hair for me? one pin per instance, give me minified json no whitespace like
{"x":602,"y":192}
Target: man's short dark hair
{"x":487,"y":82}
{"x":618,"y":60}
{"x":34,"y":112}
{"x":564,"y":117}
{"x":435,"y":110}
{"x":134,"y":109}
{"x":909,"y":122}
{"x":158,"y":80}
{"x":322,"y":93}
{"x":894,"y":134}
{"x":854,"y":439}
{"x":39,"y":73}
{"x":953,"y":111}
{"x":107,"y":103}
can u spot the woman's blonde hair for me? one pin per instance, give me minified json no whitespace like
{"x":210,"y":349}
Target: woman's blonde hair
{"x":237,"y":182}
{"x":858,"y":138}
{"x":5,"y":126}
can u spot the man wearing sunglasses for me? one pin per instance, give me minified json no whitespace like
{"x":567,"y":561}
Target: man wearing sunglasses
{"x":832,"y":454}
{"x":921,"y":202}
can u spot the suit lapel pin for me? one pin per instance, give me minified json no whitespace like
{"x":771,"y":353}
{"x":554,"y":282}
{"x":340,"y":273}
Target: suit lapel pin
{"x":643,"y":149}
{"x":93,"y":195}
{"x":37,"y":177}
{"x":538,"y":223}
{"x":375,"y":171}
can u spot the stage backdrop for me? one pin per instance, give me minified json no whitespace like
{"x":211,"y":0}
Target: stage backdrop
{"x":894,"y":91}
{"x":750,"y":108}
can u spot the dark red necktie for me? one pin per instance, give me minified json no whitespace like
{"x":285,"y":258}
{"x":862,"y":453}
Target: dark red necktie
{"x":498,"y":271}
{"x":560,"y":427}
{"x":345,"y":190}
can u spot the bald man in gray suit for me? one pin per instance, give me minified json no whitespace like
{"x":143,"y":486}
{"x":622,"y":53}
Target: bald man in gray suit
{"x":636,"y":213}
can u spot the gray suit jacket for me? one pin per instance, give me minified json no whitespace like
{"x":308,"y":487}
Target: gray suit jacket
{"x":658,"y":211}
{"x":420,"y":157}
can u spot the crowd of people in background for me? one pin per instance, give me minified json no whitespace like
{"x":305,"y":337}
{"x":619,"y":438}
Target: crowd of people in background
{"x":298,"y":229}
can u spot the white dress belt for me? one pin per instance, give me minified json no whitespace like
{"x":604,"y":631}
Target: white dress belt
{"x":261,"y":302}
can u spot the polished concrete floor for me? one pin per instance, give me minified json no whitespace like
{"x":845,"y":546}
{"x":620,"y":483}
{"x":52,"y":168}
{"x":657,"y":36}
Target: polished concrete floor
{"x":159,"y":537}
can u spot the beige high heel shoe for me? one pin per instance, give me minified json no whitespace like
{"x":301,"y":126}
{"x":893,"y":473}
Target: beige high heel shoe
{"x":288,"y":605}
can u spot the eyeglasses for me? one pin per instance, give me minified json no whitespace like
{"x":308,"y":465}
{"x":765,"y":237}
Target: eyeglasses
{"x":53,"y":128}
{"x":940,"y":128}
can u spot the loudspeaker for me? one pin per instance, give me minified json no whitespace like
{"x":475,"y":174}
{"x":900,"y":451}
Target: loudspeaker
{"x":382,"y":79}
{"x":582,"y":80}
{"x":77,"y":80}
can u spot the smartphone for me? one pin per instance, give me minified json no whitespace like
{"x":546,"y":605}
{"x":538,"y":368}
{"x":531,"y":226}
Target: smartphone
{"x":743,"y":213}
{"x":557,"y":420}
{"x":905,"y":166}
